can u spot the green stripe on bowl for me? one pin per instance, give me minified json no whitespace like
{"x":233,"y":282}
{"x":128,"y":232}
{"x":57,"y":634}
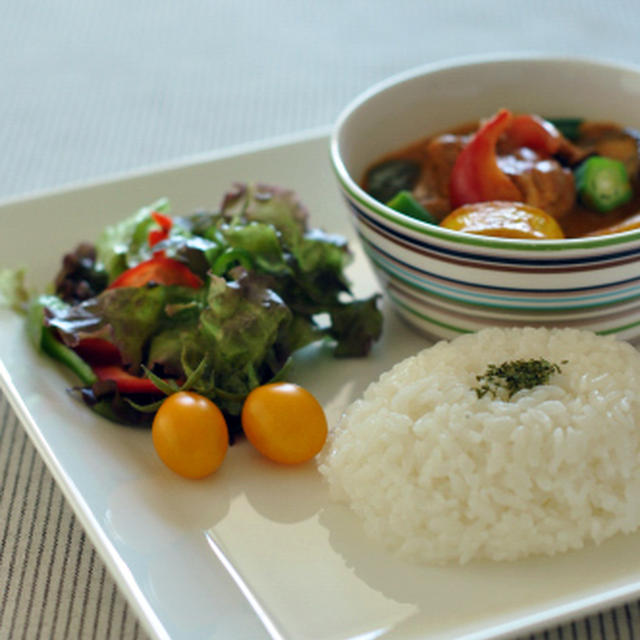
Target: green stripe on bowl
{"x":624,"y":327}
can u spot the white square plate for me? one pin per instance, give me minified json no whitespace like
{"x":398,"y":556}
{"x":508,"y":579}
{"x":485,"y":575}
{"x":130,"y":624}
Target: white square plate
{"x":258,"y":550}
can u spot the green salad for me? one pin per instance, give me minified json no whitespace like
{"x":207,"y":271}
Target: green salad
{"x":215,"y":302}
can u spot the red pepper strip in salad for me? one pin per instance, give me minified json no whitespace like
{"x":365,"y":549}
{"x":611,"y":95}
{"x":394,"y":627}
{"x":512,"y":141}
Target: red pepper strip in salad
{"x":158,"y":235}
{"x":98,"y":351}
{"x":160,"y":270}
{"x":535,"y":133}
{"x":104,"y":359}
{"x":164,"y":221}
{"x":476,"y":176}
{"x":126,"y":382}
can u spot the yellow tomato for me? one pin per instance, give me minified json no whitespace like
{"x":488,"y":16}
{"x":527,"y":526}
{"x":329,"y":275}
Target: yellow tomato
{"x":190,"y":434}
{"x":505,"y":220}
{"x":284,"y":422}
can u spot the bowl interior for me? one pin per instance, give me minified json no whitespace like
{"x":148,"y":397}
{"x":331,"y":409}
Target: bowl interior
{"x":433,"y":99}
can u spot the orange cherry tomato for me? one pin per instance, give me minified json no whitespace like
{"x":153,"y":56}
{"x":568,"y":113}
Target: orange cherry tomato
{"x":505,"y":220}
{"x":190,"y":434}
{"x":284,"y":422}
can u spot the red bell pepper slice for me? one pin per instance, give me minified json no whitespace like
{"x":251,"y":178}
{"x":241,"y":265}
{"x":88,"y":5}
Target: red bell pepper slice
{"x":126,"y":382}
{"x":535,"y":133}
{"x":105,"y":361}
{"x":158,"y":235}
{"x":160,"y":270}
{"x":98,"y":351}
{"x":165,"y":222}
{"x":476,"y":176}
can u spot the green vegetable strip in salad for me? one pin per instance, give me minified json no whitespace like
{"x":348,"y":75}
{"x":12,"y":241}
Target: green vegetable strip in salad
{"x":267,"y":280}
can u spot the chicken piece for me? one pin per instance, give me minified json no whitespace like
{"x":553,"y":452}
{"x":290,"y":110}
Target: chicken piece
{"x":612,"y":141}
{"x":543,"y":182}
{"x":432,"y":189}
{"x":624,"y":148}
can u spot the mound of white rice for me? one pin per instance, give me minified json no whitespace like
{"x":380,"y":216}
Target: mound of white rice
{"x":440,"y":475}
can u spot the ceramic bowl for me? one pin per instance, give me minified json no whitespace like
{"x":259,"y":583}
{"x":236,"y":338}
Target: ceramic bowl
{"x":447,"y":282}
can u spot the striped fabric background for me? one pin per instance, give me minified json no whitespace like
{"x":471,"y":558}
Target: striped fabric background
{"x":53,"y":583}
{"x":90,"y":88}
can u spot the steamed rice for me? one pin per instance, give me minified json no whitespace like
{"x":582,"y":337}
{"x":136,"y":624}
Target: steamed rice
{"x":439,"y":475}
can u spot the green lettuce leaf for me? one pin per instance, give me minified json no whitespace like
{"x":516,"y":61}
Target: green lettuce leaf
{"x":43,"y":339}
{"x":355,"y":327}
{"x":125,"y":316}
{"x":123,"y":245}
{"x":237,"y":333}
{"x":266,"y":204}
{"x":262,"y":243}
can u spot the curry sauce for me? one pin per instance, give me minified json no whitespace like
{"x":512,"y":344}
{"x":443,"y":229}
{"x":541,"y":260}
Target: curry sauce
{"x":541,"y":161}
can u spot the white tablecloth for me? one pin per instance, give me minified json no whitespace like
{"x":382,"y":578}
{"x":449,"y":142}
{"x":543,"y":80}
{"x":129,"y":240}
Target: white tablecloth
{"x":94,"y":88}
